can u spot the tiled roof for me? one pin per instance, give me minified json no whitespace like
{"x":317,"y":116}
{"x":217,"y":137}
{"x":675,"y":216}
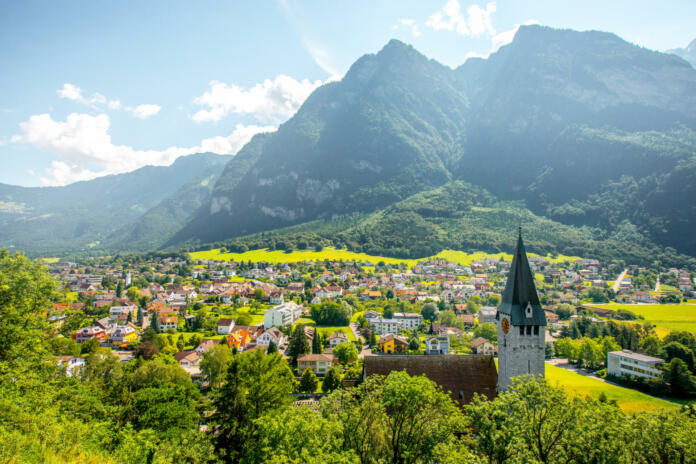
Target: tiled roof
{"x":462,"y":376}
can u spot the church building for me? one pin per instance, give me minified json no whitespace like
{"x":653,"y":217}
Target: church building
{"x":521,"y":324}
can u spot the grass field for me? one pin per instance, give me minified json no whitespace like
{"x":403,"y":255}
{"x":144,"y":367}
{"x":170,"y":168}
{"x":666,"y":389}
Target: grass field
{"x":629,"y":400}
{"x":329,"y":253}
{"x":666,"y":317}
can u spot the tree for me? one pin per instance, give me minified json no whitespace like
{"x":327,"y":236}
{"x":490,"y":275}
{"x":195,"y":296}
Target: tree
{"x":180,"y":343}
{"x":564,"y":311}
{"x":316,"y":343}
{"x":414,"y":343}
{"x":298,"y":343}
{"x":673,"y":350}
{"x":215,"y":362}
{"x":146,"y":350}
{"x":154,"y":324}
{"x":119,"y":289}
{"x":332,"y":380}
{"x":471,"y":307}
{"x":255,"y":384}
{"x":133,"y":294}
{"x":418,"y":416}
{"x":90,"y":346}
{"x":487,"y":331}
{"x":272,"y":348}
{"x":330,"y":313}
{"x":346,"y":353}
{"x":308,"y":382}
{"x":429,"y":312}
{"x":679,"y":377}
{"x":26,"y":290}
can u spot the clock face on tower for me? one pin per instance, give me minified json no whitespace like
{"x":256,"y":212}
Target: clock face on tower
{"x":506,"y":325}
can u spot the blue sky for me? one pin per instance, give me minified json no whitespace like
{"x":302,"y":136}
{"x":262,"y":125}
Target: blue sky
{"x":100,"y":87}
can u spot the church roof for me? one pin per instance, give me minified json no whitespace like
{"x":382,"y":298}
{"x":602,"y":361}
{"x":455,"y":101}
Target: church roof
{"x":520,"y":291}
{"x":460,"y":375}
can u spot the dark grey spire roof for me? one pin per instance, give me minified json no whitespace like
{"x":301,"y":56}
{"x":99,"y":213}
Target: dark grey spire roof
{"x":521,"y":292}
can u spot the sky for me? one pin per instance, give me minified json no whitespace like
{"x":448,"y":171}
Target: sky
{"x":105,"y":87}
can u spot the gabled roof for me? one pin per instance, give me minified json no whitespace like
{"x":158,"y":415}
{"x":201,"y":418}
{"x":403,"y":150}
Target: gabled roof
{"x":520,"y":291}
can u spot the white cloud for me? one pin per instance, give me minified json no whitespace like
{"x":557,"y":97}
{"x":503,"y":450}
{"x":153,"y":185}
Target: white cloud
{"x":83,"y":140}
{"x":71,"y":92}
{"x":145,"y":111}
{"x":408,"y":23}
{"x":269,"y":101}
{"x":475,"y":23}
{"x":97,"y":101}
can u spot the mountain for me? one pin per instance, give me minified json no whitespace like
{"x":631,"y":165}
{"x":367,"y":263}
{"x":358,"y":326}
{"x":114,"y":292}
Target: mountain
{"x":584,"y":128}
{"x":688,"y":53}
{"x":142,"y":204}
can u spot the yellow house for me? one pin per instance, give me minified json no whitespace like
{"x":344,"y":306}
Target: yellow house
{"x":391,"y":343}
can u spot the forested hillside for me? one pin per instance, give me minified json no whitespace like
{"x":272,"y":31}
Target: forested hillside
{"x":464,"y":217}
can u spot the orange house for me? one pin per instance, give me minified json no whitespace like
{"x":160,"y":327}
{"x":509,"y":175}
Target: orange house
{"x":238,"y":339}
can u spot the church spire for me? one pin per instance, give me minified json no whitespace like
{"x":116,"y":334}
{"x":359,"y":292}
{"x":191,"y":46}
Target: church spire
{"x":520,"y":299}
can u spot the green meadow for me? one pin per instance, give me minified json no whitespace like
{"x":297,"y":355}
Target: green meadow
{"x":663,"y":316}
{"x":628,"y":400}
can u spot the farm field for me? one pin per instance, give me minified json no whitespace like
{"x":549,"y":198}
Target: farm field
{"x":279,"y":256}
{"x":663,"y":316}
{"x":629,"y":400}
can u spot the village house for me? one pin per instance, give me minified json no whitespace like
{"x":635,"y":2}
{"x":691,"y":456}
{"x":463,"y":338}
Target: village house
{"x":123,"y":335}
{"x":337,"y":338}
{"x":317,"y":363}
{"x":437,"y":345}
{"x":487,"y":314}
{"x":189,"y":361}
{"x":391,"y":343}
{"x":269,"y":335}
{"x":167,"y":322}
{"x":72,"y":364}
{"x":482,"y":346}
{"x":88,"y":333}
{"x":224,"y":326}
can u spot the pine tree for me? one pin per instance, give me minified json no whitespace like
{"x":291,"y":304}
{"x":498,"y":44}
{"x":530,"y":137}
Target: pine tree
{"x":308,"y":382}
{"x":119,"y":289}
{"x":180,"y":344}
{"x":298,"y":343}
{"x":272,"y":348}
{"x":332,"y":380}
{"x":153,"y":322}
{"x":231,"y":416}
{"x":316,"y":343}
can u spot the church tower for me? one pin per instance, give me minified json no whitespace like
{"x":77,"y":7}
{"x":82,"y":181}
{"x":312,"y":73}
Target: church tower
{"x":521,"y":323}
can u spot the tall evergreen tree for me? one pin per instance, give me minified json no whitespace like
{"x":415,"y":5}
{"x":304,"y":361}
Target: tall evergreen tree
{"x":298,"y":343}
{"x":316,"y":343}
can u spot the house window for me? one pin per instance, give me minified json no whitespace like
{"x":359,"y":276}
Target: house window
{"x":521,"y":330}
{"x":529,"y":330}
{"x":536,"y":330}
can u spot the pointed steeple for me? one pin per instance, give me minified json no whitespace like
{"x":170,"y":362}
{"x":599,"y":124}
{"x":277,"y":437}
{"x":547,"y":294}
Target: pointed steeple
{"x":520,"y":299}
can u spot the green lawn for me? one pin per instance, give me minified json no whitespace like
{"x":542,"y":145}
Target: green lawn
{"x":279,"y":256}
{"x":667,"y":316}
{"x":629,"y":400}
{"x":328,"y":330}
